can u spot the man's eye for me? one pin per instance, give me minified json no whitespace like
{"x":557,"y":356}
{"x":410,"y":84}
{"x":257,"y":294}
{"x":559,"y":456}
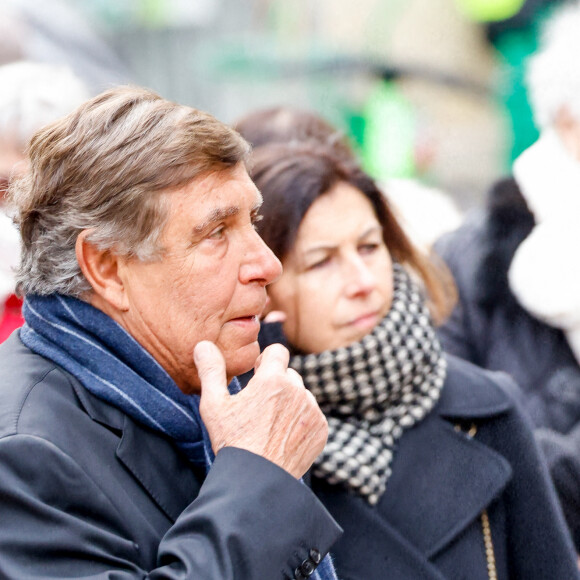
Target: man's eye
{"x":218,"y":233}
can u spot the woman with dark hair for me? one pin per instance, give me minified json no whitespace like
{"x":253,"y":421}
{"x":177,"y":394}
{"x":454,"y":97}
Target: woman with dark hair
{"x":430,"y":467}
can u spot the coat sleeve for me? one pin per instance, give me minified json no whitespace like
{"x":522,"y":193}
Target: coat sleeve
{"x":251,"y":520}
{"x":562,"y":453}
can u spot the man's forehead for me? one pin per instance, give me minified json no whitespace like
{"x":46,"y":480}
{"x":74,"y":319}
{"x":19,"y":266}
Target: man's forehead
{"x":220,"y":203}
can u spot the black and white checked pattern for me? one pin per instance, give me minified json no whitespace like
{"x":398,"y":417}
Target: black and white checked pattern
{"x":372,"y":390}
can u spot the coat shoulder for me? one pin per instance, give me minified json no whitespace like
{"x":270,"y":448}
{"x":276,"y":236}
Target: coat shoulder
{"x":29,"y":383}
{"x":36,"y":393}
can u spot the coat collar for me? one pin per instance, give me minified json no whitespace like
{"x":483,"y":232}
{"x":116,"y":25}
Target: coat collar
{"x":442,"y":480}
{"x":470,"y":393}
{"x":165,"y":474}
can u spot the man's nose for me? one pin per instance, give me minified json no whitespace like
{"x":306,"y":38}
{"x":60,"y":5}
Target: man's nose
{"x":259,"y":262}
{"x":359,"y":278}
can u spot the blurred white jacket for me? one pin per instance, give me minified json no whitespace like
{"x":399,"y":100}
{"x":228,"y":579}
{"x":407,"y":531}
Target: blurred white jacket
{"x":545,"y":271}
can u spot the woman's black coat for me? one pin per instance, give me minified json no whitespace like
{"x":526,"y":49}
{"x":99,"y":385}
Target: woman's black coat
{"x":428,"y":523}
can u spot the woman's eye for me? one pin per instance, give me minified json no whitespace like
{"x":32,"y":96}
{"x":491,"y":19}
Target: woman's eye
{"x":319,"y":264}
{"x":368,"y":248}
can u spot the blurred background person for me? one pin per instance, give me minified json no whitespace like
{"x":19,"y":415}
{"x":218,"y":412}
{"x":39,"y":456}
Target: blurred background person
{"x":422,"y":87}
{"x":58,"y":32}
{"x":31,"y":95}
{"x":516,"y":268}
{"x":430,"y":468}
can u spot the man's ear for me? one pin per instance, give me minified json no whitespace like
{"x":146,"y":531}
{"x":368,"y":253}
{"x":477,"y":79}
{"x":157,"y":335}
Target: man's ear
{"x":101,"y":268}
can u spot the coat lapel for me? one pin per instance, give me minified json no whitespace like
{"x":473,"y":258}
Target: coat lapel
{"x":167,"y":477}
{"x":469,"y":477}
{"x":442,"y":479}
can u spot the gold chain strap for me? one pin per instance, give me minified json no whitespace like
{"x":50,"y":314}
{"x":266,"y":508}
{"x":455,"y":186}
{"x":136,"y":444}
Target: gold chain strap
{"x":489,"y":553}
{"x":486,"y":527}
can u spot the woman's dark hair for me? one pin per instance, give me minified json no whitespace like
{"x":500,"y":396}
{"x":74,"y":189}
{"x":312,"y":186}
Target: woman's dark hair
{"x":293,"y":176}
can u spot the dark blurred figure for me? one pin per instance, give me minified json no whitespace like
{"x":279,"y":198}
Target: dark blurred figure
{"x":31,"y":95}
{"x":516,"y":268}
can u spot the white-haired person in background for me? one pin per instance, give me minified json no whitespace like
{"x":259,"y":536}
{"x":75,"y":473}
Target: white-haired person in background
{"x":31,"y":95}
{"x":517,"y":269}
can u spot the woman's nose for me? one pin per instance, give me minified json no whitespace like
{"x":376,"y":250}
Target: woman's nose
{"x":360,"y":279}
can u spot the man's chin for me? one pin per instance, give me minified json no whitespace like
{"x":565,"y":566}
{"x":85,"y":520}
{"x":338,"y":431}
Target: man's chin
{"x":242,"y":360}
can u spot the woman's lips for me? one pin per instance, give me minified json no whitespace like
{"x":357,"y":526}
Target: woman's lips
{"x":367,"y":321}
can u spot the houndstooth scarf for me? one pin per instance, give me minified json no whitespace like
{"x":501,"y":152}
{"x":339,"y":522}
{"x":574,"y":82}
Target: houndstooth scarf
{"x":372,"y":390}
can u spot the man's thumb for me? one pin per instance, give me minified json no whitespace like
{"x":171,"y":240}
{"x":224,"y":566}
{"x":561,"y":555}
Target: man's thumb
{"x":211,"y":368}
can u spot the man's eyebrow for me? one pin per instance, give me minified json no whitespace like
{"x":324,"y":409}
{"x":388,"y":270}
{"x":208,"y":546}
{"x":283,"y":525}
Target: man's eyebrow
{"x":216,"y":215}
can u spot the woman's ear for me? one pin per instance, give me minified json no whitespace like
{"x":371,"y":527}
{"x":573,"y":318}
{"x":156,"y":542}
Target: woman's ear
{"x":102,"y":268}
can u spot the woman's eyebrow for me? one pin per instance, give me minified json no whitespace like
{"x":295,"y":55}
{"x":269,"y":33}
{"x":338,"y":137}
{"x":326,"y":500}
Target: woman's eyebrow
{"x":319,"y":248}
{"x":371,"y":230}
{"x":330,"y":247}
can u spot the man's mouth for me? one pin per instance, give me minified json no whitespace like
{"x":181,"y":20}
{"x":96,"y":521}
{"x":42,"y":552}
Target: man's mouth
{"x":250,"y":319}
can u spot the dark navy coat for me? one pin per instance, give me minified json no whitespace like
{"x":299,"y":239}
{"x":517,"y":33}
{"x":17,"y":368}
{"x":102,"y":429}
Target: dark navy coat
{"x":86,"y":492}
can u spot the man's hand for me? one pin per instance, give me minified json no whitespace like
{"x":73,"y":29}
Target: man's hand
{"x":274,"y":416}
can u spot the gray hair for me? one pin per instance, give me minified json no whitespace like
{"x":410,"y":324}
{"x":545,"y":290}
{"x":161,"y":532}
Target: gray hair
{"x":553,"y":72}
{"x":105,"y":168}
{"x":33,"y":94}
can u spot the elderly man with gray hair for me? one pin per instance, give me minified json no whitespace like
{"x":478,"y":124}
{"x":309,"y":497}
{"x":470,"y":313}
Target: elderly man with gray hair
{"x":126,"y":447}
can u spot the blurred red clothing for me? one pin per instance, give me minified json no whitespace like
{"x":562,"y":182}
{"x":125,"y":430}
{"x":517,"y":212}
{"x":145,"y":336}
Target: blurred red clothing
{"x":11,"y":317}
